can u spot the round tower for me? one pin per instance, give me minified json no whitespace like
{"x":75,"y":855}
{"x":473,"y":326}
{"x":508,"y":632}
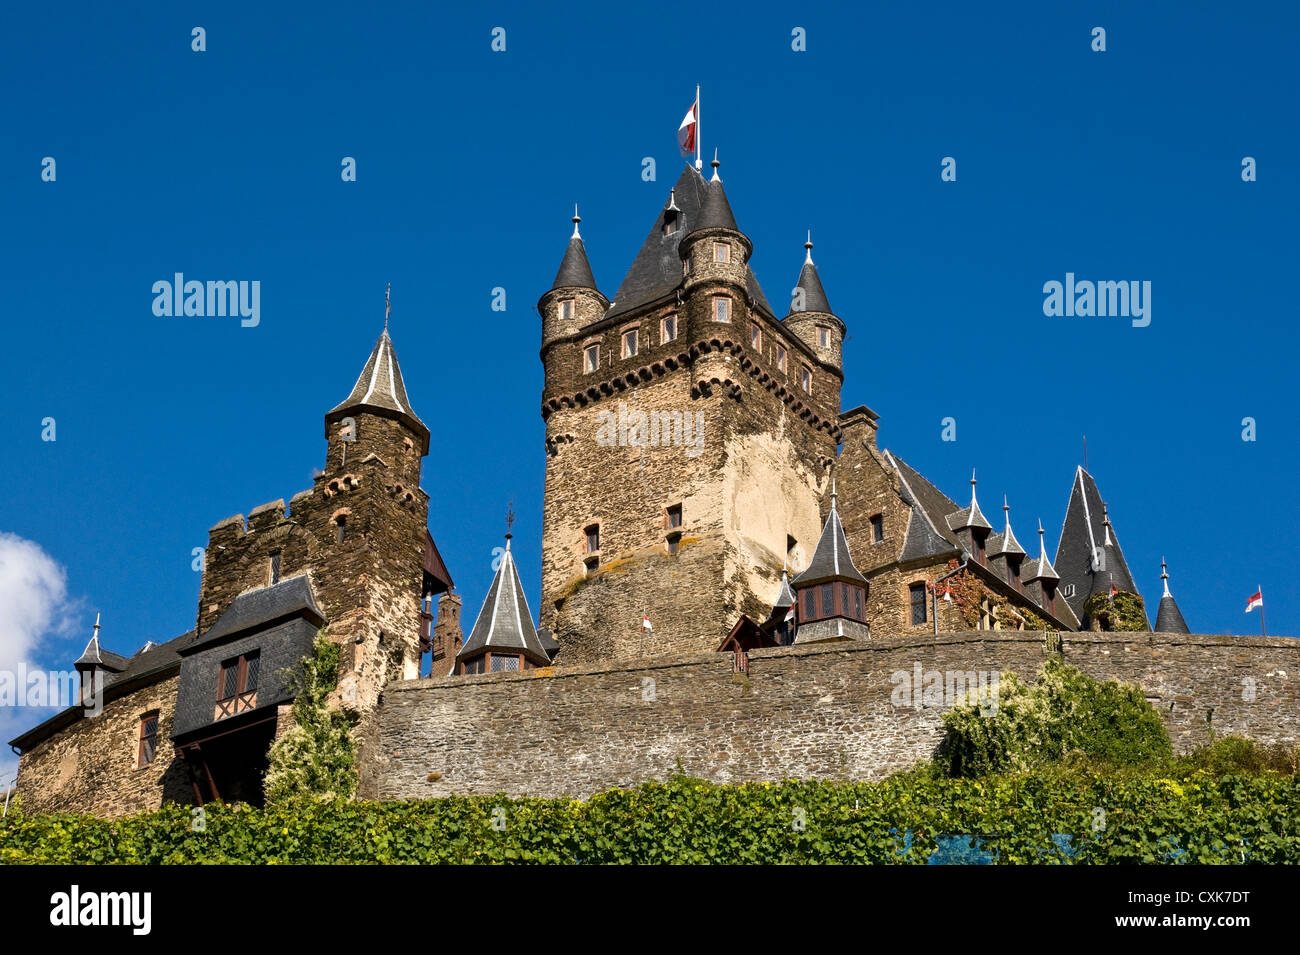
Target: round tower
{"x":811,"y":317}
{"x":715,"y":265}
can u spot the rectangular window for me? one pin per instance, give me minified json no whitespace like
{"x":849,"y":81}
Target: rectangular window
{"x":916,"y":596}
{"x":780,"y":359}
{"x":668,"y":329}
{"x":275,"y":567}
{"x":828,"y":600}
{"x":629,"y":343}
{"x":857,"y":603}
{"x":237,"y":684}
{"x":756,"y":336}
{"x":810,"y":604}
{"x":823,"y":336}
{"x":805,"y":379}
{"x":591,"y":358}
{"x":566,"y":309}
{"x":593,"y":538}
{"x":148,"y":739}
{"x":721,"y":252}
{"x":877,"y":528}
{"x":504,"y":663}
{"x":340,"y":528}
{"x":674,"y":543}
{"x":675,"y":516}
{"x":722,"y":309}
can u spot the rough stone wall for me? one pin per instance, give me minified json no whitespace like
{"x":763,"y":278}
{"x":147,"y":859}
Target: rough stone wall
{"x":756,"y":476}
{"x":91,"y":767}
{"x":822,"y":711}
{"x":369,"y":584}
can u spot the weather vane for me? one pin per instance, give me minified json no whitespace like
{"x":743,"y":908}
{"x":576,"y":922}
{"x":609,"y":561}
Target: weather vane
{"x":510,"y":517}
{"x":388,"y":304}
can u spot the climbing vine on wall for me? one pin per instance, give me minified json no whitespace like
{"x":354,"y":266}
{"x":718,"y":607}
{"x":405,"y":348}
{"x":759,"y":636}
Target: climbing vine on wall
{"x":1126,"y":613}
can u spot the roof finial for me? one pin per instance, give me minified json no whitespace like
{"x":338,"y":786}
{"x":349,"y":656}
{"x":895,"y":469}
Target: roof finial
{"x":576,"y":219}
{"x":1105,"y":522}
{"x":715,"y":164}
{"x":833,"y":494}
{"x":510,"y":520}
{"x":972,"y":489}
{"x":1042,"y":544}
{"x":1164,"y":575}
{"x":96,"y":625}
{"x":808,"y":245}
{"x":1006,"y":510}
{"x":388,"y":305}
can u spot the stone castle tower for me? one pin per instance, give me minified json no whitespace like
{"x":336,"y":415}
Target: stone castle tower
{"x":690,"y":433}
{"x":359,"y":535}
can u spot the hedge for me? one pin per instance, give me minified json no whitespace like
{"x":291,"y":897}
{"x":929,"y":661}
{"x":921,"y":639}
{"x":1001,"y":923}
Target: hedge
{"x":1065,"y":816}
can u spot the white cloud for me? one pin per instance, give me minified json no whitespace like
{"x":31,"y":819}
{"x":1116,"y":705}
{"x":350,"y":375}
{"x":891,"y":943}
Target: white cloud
{"x":33,"y":605}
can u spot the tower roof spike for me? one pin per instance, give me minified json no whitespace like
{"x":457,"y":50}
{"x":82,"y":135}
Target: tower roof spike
{"x":715,"y":164}
{"x":576,"y":219}
{"x":809,"y":246}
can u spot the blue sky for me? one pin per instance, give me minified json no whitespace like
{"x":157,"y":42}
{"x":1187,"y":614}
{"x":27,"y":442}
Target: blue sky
{"x":225,"y":164}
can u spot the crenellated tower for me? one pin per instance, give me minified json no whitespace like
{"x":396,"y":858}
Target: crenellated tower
{"x":689,"y":438}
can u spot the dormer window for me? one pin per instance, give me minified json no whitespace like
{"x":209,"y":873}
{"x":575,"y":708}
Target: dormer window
{"x":977,"y":538}
{"x":629,"y":343}
{"x":566,"y":309}
{"x":1013,"y":573}
{"x":670,"y":221}
{"x":668,"y":329}
{"x":237,"y":684}
{"x":721,"y":309}
{"x":780,"y":358}
{"x":591,"y":358}
{"x":721,"y":252}
{"x":805,"y":379}
{"x":823,"y":336}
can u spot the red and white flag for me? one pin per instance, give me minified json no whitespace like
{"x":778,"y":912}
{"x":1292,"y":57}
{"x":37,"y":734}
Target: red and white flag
{"x":1256,"y":600}
{"x":687,"y":131}
{"x":645,"y":622}
{"x":789,"y":614}
{"x":947,"y":592}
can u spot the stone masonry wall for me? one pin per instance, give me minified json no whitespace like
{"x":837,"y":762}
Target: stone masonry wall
{"x":821,"y":711}
{"x":91,"y":767}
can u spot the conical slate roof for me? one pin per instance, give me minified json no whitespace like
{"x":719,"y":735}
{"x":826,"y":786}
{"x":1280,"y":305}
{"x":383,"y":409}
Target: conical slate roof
{"x":1169,"y":619}
{"x":1005,"y":544}
{"x":504,"y":621}
{"x":969,"y":517}
{"x":96,"y":656}
{"x":381,"y":390}
{"x":715,"y":211}
{"x":657,"y":269}
{"x":831,"y":560}
{"x":1088,"y":555}
{"x":1041,"y":568}
{"x":814,"y":296}
{"x":575,"y":270}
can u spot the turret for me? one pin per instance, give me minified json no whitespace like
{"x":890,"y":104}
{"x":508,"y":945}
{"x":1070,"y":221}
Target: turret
{"x":831,"y":593}
{"x":1005,"y":554}
{"x":811,"y":317}
{"x":1169,"y":619}
{"x":573,"y":301}
{"x":504,"y":637}
{"x":715,"y":263}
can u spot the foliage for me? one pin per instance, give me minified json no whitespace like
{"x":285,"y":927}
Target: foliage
{"x":316,"y":757}
{"x":1126,"y":614}
{"x":1060,"y":815}
{"x":1065,"y":712}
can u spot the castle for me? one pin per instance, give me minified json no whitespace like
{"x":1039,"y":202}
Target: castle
{"x":704,"y":492}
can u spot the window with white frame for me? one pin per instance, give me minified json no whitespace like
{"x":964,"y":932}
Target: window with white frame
{"x":629,"y":343}
{"x":722,"y":309}
{"x":591,"y":358}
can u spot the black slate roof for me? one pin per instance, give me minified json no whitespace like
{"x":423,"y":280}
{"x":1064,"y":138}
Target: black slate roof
{"x":928,"y":534}
{"x":95,"y":655}
{"x":715,"y":211}
{"x":1169,"y":619}
{"x":381,"y":390}
{"x":1005,"y":544}
{"x":831,"y":560}
{"x":814,"y":296}
{"x":504,"y":621}
{"x":657,"y":269}
{"x":1083,"y":533}
{"x":257,"y":608}
{"x":575,"y":270}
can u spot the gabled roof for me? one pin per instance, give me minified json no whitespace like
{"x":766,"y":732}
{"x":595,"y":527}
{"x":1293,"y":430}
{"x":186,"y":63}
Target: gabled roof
{"x":254,"y":609}
{"x":814,"y":296}
{"x":831,"y":560}
{"x":657,"y":269}
{"x":928,"y":534}
{"x":381,"y":390}
{"x":1083,"y":534}
{"x":575,"y":270}
{"x":504,"y":621}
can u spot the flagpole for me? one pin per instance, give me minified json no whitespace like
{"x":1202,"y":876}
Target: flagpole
{"x":698,"y":162}
{"x":1262,"y":631}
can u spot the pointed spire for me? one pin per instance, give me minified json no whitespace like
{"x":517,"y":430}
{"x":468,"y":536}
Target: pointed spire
{"x":1169,"y":619}
{"x":672,"y":201}
{"x":1007,"y":545}
{"x":715,"y":210}
{"x":388,"y":305}
{"x":715,"y":164}
{"x":1041,"y":569}
{"x":831,"y":560}
{"x":504,"y":623}
{"x":575,"y":270}
{"x":970,"y":517}
{"x":814,"y":295}
{"x":381,"y":390}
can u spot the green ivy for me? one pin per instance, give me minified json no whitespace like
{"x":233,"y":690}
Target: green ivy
{"x":1125,"y":613}
{"x":1062,"y":815}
